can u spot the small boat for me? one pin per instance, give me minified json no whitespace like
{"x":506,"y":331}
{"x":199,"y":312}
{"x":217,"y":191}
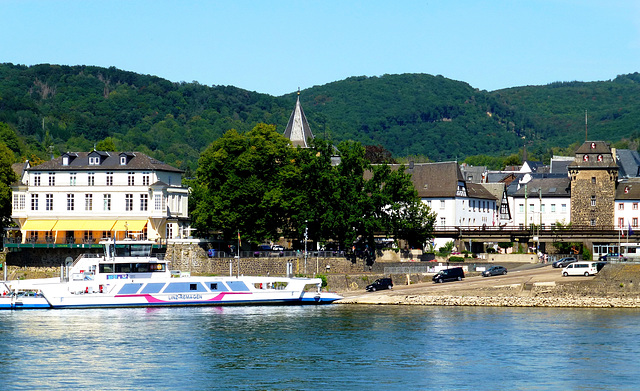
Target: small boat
{"x":21,"y":299}
{"x":127,"y":274}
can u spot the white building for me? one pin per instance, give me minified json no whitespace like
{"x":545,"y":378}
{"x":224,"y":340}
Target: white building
{"x":543,"y":201}
{"x":81,"y":197}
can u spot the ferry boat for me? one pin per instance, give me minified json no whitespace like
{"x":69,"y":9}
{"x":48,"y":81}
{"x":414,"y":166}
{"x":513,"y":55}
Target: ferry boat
{"x":128,"y":275}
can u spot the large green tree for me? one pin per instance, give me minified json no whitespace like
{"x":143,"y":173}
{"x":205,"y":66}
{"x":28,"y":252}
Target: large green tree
{"x":242,"y":184}
{"x":7,"y":177}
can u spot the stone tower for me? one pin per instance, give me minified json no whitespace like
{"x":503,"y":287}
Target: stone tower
{"x":594,"y":174}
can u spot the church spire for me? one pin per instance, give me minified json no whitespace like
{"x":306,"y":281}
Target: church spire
{"x":298,"y":130}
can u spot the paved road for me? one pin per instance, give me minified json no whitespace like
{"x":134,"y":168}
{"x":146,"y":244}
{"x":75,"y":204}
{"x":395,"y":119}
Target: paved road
{"x":541,"y":275}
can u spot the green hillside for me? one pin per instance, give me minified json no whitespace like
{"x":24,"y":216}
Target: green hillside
{"x":52,"y":109}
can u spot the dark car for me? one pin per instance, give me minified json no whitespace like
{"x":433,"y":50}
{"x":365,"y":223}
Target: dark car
{"x":494,"y":271}
{"x":455,"y":273}
{"x":612,"y":257}
{"x":563,"y":262}
{"x":379,"y":284}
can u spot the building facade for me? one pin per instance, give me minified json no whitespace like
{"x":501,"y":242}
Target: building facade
{"x":80,"y":198}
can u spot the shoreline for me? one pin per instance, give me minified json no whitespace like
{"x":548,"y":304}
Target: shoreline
{"x":497,"y":301}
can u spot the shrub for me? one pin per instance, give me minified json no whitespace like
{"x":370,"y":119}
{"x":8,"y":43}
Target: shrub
{"x":456,"y":259}
{"x":323,"y":278}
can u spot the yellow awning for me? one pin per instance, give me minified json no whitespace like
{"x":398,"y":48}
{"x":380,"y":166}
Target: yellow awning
{"x":70,"y":225}
{"x":98,"y":225}
{"x":129,"y":225}
{"x":38,"y":225}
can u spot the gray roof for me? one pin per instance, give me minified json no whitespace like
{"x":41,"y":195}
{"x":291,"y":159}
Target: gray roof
{"x":475,"y":174}
{"x":551,"y":187}
{"x":628,"y":190}
{"x":79,"y":161}
{"x":298,"y":130}
{"x":440,"y":180}
{"x":628,"y":163}
{"x":560,"y":166}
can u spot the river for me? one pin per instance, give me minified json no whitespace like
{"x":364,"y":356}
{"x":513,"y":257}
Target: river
{"x":333,"y":347}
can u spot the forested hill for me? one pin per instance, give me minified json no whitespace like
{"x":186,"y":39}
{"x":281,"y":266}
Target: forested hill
{"x":74,"y":107}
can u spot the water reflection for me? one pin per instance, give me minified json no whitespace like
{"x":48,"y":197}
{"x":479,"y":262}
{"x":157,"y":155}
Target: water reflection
{"x":334,"y":347}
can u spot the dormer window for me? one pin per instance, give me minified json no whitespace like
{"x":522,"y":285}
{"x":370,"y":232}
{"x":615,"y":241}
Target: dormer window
{"x":65,"y":161}
{"x":94,"y":160}
{"x":123,"y":160}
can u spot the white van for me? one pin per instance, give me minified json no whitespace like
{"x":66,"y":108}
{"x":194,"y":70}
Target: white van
{"x":582,"y":268}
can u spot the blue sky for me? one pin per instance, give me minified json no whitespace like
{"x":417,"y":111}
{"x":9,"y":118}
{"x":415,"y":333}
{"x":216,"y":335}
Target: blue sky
{"x":277,"y":46}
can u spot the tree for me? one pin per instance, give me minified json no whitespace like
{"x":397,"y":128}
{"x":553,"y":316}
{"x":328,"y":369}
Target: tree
{"x":7,"y":177}
{"x":243,"y":184}
{"x":106,"y":145}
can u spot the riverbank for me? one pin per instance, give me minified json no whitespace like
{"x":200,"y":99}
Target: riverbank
{"x":615,"y":286}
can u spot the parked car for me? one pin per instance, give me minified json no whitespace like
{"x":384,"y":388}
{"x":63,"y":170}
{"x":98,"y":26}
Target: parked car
{"x":455,"y":273}
{"x":581,"y":269}
{"x":563,"y":262}
{"x":277,"y":247}
{"x":264,"y":247}
{"x":380,"y":284}
{"x":494,"y":271}
{"x":612,"y":257}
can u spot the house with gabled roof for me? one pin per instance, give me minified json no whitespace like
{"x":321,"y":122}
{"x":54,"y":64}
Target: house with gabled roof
{"x":81,"y":197}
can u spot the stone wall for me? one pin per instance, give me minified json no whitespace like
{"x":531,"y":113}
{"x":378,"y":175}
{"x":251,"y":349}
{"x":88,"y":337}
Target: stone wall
{"x":193,"y":258}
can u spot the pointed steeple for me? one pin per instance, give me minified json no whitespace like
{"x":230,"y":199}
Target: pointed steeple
{"x":298,"y":130}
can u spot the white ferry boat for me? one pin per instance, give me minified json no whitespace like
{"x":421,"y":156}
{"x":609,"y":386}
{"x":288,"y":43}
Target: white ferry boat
{"x":127,"y":275}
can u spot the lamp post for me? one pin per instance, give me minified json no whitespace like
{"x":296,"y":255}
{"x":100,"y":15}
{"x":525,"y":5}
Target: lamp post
{"x":306,"y":236}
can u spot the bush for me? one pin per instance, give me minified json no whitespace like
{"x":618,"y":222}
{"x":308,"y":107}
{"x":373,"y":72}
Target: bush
{"x":323,"y":278}
{"x":586,"y":254}
{"x":456,"y":259}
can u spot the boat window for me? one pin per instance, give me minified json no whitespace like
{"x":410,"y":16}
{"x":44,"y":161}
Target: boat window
{"x":106,"y":268}
{"x":153,"y":287}
{"x":217,"y":286}
{"x":193,"y":287}
{"x":129,"y":289}
{"x":123,"y":267}
{"x":134,"y":267}
{"x":237,"y":286}
{"x":133,"y":250}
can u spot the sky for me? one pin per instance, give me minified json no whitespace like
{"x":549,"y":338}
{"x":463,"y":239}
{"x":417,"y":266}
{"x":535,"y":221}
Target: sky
{"x":278,"y":46}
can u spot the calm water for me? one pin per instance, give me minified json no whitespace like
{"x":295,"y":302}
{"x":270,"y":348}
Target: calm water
{"x":330,"y":348}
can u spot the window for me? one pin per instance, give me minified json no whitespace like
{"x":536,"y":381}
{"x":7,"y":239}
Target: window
{"x":145,"y":178}
{"x":593,"y":179}
{"x":157,"y":200}
{"x":542,"y":208}
{"x":18,"y":201}
{"x":34,"y":202}
{"x":443,"y":221}
{"x":169,"y":231}
{"x":531,"y":208}
{"x":442,"y":204}
{"x":144,"y":201}
{"x":563,"y":208}
{"x":553,"y":208}
{"x":65,"y":161}
{"x":36,"y":179}
{"x":521,"y":208}
{"x":593,"y":222}
{"x":634,"y":222}
{"x":88,"y":202}
{"x":130,"y":179}
{"x":123,"y":160}
{"x":94,"y":160}
{"x":48,"y":202}
{"x":109,"y":178}
{"x":621,"y":206}
{"x":128,"y":202}
{"x":635,"y":206}
{"x":621,"y":222}
{"x":52,"y":179}
{"x":88,"y":236}
{"x":72,"y":178}
{"x":91,"y":179}
{"x":593,"y":200}
{"x":71,"y":202}
{"x":107,"y":201}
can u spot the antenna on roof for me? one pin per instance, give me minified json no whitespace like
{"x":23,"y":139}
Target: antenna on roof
{"x":586,"y":127}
